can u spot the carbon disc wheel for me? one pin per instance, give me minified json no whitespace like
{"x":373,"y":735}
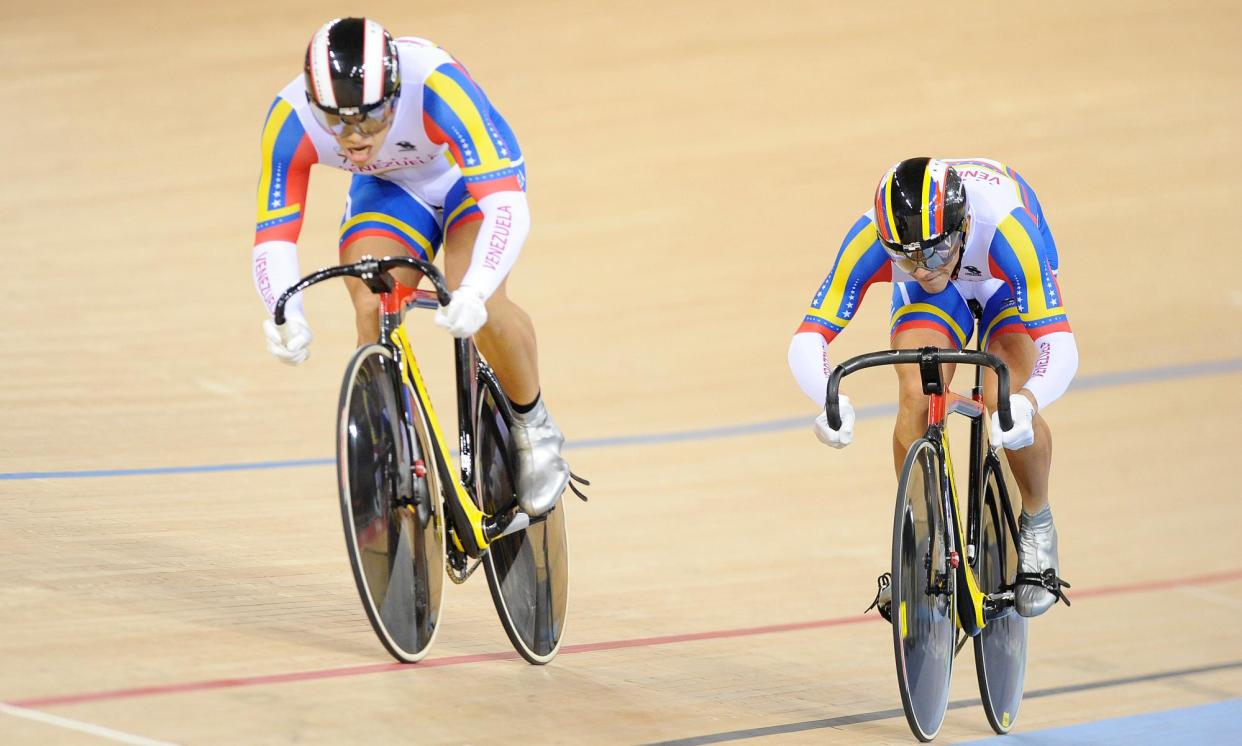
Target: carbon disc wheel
{"x":1000,"y":648}
{"x":924,"y":617}
{"x":527,"y":571}
{"x":394,"y":532}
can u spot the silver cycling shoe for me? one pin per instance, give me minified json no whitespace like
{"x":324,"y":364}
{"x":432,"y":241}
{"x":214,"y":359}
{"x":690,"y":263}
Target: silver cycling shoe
{"x":1038,"y":586}
{"x":541,"y":472}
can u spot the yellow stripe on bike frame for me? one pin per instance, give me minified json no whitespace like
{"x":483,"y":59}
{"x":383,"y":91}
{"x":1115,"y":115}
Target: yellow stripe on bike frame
{"x":905,"y":629}
{"x":976,"y":595}
{"x":415,"y":378}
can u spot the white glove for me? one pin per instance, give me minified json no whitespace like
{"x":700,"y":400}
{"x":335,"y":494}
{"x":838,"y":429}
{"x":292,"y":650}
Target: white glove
{"x":290,"y":341}
{"x":465,"y":314}
{"x":836,"y":438}
{"x":1023,"y":432}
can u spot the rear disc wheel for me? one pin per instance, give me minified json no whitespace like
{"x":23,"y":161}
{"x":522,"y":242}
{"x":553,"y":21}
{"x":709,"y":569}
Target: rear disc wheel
{"x":527,"y":571}
{"x":1000,"y":649}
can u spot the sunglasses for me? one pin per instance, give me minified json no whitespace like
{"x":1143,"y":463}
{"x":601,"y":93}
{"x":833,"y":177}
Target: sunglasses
{"x":929,"y":254}
{"x":366,"y":121}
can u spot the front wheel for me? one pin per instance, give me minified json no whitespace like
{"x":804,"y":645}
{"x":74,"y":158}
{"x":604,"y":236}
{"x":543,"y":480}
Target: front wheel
{"x":1000,"y":649}
{"x":394,"y":532}
{"x":924,"y":616}
{"x":527,"y":571}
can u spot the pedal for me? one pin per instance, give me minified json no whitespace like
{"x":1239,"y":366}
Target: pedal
{"x":883,"y":601}
{"x":998,"y":605}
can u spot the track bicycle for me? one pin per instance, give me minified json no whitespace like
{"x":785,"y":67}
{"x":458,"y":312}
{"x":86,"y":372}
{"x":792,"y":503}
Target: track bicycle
{"x":408,"y":519}
{"x":953,"y":572}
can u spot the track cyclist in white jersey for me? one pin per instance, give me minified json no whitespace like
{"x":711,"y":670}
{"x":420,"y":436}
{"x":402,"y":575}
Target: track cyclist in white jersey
{"x":434,"y":165}
{"x":946,"y":234}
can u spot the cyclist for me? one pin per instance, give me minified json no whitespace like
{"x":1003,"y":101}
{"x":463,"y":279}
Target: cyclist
{"x":434,"y":164}
{"x":949,"y":234}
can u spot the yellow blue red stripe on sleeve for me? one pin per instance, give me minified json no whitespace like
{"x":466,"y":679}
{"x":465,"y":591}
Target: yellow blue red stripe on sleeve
{"x":1018,"y":256}
{"x":286,"y":155}
{"x":457,"y":113}
{"x":1026,"y":194}
{"x":860,"y":262}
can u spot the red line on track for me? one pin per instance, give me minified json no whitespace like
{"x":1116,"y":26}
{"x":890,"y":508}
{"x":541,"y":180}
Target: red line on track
{"x":1159,"y":585}
{"x":589,"y":647}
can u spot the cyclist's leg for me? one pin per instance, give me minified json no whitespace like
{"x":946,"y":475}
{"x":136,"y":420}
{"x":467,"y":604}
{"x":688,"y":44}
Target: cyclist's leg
{"x":382,"y":219}
{"x":921,"y":319}
{"x":507,"y":340}
{"x":1032,"y":464}
{"x":1006,"y":337}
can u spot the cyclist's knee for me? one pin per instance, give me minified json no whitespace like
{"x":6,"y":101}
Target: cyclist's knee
{"x":366,"y":310}
{"x":365,"y":302}
{"x":911,"y":401}
{"x":910,"y":396}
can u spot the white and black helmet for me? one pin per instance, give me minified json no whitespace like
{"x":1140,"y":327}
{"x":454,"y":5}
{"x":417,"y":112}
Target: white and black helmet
{"x":351,"y":69}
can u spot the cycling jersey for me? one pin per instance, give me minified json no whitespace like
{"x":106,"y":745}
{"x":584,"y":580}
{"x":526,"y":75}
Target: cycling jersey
{"x":448,"y":158}
{"x":1008,"y":264}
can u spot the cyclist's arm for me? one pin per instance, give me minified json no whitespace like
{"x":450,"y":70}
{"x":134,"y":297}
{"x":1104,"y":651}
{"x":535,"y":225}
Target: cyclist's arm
{"x":286,"y":155}
{"x":1018,"y":256}
{"x":808,"y":359}
{"x":456,"y":113}
{"x":1055,"y":366}
{"x":859,"y":263}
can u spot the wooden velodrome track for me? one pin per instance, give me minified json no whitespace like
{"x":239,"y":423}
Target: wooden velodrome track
{"x":693,"y":166}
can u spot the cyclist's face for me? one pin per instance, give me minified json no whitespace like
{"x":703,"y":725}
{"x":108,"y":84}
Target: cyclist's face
{"x":361,"y":149}
{"x":935,"y":280}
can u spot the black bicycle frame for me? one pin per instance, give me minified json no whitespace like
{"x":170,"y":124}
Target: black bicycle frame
{"x":469,"y":368}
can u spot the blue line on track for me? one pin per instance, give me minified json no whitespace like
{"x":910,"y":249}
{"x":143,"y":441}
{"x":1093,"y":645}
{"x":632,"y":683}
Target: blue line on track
{"x":158,"y":470}
{"x":1219,"y":722}
{"x":1084,"y":383}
